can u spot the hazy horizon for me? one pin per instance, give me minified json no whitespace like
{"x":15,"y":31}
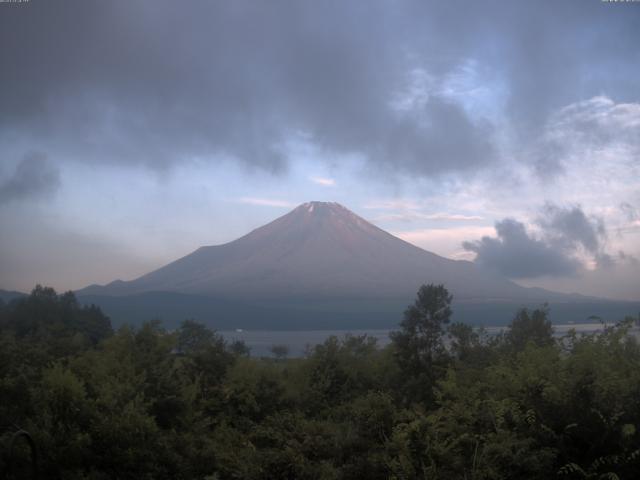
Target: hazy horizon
{"x":503,"y":133}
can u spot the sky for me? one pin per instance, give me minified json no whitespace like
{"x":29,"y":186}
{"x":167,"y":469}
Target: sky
{"x":505,"y":133}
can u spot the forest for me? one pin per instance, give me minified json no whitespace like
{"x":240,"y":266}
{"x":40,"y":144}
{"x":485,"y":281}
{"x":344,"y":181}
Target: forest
{"x":79,"y":400}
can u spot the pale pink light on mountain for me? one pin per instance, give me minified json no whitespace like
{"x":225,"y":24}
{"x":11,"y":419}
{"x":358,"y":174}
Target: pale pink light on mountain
{"x":318,"y":250}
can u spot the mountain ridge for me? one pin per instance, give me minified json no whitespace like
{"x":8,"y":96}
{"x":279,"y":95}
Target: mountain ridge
{"x":320,"y":250}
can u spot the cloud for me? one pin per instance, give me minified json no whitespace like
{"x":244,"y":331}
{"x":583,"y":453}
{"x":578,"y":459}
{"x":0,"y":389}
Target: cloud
{"x":37,"y":250}
{"x":567,"y":239}
{"x":34,"y":177}
{"x":412,"y":211}
{"x":416,"y":216}
{"x":630,"y":212}
{"x":599,"y":120}
{"x":406,"y":85}
{"x":588,"y":131}
{"x":628,"y":259}
{"x":392,"y":205}
{"x":452,"y":102}
{"x":569,"y":228}
{"x":444,"y":241}
{"x":324,"y":181}
{"x":266,"y":202}
{"x":517,"y":254}
{"x":620,"y":282}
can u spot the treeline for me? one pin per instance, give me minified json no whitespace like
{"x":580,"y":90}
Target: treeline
{"x":442,"y":401}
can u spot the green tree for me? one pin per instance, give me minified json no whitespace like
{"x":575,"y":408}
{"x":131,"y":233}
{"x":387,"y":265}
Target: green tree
{"x":419,"y":348}
{"x":534,"y":327}
{"x":239,"y":348}
{"x":280,"y":352}
{"x":58,"y":320}
{"x":194,"y":337}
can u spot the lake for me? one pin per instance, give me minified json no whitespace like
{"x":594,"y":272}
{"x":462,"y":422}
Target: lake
{"x":261,"y":341}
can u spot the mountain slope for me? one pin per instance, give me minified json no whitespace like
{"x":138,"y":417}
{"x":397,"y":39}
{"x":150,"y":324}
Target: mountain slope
{"x":8,"y":295}
{"x":318,"y":250}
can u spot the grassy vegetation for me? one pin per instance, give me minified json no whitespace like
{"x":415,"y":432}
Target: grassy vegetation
{"x":148,"y":403}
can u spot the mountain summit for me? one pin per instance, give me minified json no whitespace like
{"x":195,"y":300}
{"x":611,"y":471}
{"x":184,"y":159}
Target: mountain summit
{"x":318,"y":250}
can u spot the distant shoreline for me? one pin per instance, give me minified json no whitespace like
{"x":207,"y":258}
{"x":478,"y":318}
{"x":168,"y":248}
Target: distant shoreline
{"x":297,"y":341}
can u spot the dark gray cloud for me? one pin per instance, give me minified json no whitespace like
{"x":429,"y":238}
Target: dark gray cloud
{"x":569,"y":228}
{"x":158,"y":82}
{"x":629,"y":259}
{"x":629,"y":211}
{"x":565,"y":232}
{"x":34,"y":176}
{"x":517,"y":254}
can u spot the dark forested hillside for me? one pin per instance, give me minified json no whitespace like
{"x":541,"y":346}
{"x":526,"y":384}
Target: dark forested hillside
{"x":442,"y":401}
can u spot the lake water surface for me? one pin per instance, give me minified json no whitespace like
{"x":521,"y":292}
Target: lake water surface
{"x":298,"y":341}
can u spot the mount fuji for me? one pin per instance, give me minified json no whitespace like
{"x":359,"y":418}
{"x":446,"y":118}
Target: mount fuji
{"x":319,"y":265}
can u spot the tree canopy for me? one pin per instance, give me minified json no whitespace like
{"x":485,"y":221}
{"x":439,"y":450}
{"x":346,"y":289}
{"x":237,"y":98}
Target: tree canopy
{"x":440,"y":401}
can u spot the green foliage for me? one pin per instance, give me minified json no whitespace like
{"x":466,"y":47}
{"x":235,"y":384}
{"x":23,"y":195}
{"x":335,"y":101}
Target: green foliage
{"x":56,"y":322}
{"x":194,"y":337}
{"x":280,"y":351}
{"x":419,"y":342}
{"x":151,"y":404}
{"x":419,"y":346}
{"x":534,"y":327}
